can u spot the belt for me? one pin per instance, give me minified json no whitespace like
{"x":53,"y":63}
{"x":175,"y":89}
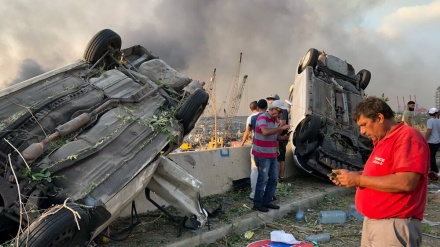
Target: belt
{"x":396,"y":218}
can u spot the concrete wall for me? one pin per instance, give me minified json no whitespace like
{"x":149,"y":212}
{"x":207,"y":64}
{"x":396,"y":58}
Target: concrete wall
{"x":216,"y":169}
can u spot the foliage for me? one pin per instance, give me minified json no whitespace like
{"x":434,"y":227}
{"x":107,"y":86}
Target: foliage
{"x":10,"y":243}
{"x":11,"y":119}
{"x":162,"y":123}
{"x":43,"y":176}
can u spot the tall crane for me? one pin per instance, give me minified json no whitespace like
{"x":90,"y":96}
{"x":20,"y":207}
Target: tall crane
{"x":234,"y":89}
{"x":234,"y":99}
{"x":229,"y":111}
{"x":212,"y":86}
{"x":234,"y":104}
{"x":211,"y":112}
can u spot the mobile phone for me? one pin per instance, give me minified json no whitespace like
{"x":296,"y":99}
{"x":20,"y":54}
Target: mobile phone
{"x":289,"y":132}
{"x":333,"y":175}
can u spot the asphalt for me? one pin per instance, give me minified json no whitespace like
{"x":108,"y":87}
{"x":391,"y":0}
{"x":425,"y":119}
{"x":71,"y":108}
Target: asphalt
{"x":256,"y":219}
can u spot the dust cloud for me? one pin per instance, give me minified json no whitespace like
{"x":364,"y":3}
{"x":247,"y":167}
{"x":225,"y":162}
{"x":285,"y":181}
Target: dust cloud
{"x":196,"y":36}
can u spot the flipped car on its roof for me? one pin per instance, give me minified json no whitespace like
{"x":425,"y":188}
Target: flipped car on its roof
{"x":323,"y":96}
{"x":87,"y":138}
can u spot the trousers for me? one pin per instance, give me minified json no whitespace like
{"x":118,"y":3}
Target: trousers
{"x":391,"y":232}
{"x":267,"y":180}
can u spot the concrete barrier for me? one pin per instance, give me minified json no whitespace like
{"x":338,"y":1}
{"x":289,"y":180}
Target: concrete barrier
{"x":216,"y":169}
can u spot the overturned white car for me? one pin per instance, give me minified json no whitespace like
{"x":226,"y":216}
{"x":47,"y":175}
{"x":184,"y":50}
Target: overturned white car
{"x":325,"y":92}
{"x":79,"y":143}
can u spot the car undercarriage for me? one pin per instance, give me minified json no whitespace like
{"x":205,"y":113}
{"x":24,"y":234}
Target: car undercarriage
{"x":323,"y":96}
{"x":79,"y":143}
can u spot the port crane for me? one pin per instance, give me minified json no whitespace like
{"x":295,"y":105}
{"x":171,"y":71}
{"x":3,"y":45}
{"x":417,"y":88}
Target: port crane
{"x":234,"y":100}
{"x":211,"y":88}
{"x":215,"y":141}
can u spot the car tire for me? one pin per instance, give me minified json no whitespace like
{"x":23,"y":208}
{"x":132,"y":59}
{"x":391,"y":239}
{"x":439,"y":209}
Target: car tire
{"x":57,"y":227}
{"x":309,"y":129}
{"x":310,"y":59}
{"x":192,"y":109}
{"x":303,"y":149}
{"x":365,"y":77}
{"x":99,"y":44}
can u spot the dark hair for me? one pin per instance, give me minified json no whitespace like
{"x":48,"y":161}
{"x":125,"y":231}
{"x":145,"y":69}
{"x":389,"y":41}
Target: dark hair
{"x":262,"y":104}
{"x":253,"y":105}
{"x":370,"y":107}
{"x":411,"y":102}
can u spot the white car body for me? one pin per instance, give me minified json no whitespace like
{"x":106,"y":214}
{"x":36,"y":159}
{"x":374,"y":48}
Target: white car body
{"x":323,"y":96}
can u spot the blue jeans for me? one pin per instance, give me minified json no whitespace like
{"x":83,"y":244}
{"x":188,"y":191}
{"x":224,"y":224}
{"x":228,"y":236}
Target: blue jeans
{"x":267,"y":178}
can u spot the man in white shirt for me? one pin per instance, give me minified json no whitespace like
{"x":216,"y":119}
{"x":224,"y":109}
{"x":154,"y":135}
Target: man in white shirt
{"x":254,"y":171}
{"x":254,"y":109}
{"x":433,"y":137}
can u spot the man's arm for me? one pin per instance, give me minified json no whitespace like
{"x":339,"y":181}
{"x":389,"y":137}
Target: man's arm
{"x":407,"y":120}
{"x":274,"y":131}
{"x":282,"y":137}
{"x":396,"y":182}
{"x":283,"y":118}
{"x":246,"y":135}
{"x":428,"y":133}
{"x":283,"y":122}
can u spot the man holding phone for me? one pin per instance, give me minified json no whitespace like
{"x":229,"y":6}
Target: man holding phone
{"x":284,"y":120}
{"x":264,"y":149}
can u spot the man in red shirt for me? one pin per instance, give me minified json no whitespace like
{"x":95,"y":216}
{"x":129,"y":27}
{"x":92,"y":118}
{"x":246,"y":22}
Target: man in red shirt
{"x":392,"y":188}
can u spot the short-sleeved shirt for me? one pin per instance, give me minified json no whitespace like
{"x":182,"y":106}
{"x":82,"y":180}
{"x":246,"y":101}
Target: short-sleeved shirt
{"x":254,"y":121}
{"x":403,"y":149}
{"x":265,"y":146}
{"x":284,"y":116}
{"x":407,"y":114}
{"x":434,"y":125}
{"x":249,"y":119}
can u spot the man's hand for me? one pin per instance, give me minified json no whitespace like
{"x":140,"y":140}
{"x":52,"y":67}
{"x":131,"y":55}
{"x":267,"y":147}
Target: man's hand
{"x":283,"y":138}
{"x":285,"y":127}
{"x":332,"y":177}
{"x":346,"y":178}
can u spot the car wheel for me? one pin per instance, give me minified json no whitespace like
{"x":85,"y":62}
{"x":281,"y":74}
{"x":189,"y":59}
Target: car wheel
{"x":192,"y":109}
{"x":310,"y":59}
{"x":365,"y":77}
{"x":100,"y":43}
{"x":309,"y":128}
{"x":305,"y":148}
{"x":57,"y":227}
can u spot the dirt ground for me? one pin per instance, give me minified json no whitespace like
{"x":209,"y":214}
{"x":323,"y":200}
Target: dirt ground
{"x":156,"y":229}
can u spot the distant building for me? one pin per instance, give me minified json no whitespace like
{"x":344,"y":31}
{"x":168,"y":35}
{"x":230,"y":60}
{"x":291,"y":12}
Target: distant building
{"x":437,"y":98}
{"x":421,"y":110}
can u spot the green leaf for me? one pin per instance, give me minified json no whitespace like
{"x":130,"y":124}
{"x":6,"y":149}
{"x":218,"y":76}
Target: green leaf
{"x":27,"y":172}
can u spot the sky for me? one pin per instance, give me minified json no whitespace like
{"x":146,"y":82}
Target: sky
{"x":396,"y":40}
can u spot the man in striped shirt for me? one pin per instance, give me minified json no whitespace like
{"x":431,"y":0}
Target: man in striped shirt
{"x":264,"y":149}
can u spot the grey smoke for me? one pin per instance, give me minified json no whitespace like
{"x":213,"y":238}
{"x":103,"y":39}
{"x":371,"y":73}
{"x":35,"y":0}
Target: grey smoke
{"x":196,"y":36}
{"x":28,"y":69}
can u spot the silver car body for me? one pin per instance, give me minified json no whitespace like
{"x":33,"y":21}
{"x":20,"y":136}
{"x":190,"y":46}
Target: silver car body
{"x":323,"y":96}
{"x":98,"y":133}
